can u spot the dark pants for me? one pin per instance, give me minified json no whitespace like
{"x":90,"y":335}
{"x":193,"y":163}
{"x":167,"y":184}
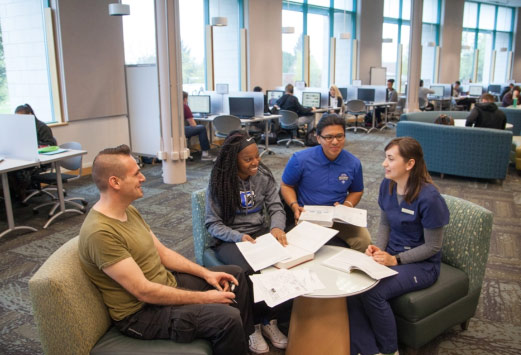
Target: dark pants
{"x":199,"y":131}
{"x":225,"y":326}
{"x":228,"y":253}
{"x":373,"y":327}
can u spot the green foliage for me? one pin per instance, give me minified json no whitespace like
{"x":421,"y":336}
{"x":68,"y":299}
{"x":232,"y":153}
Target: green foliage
{"x":4,"y":94}
{"x":193,"y":69}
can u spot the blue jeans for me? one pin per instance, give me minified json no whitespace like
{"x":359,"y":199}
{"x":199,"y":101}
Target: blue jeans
{"x":371,"y":320}
{"x":200,"y":131}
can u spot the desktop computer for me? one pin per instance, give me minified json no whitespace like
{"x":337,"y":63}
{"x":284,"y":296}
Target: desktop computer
{"x":438,"y":90}
{"x":311,"y":99}
{"x":366,"y":95}
{"x":242,"y":107}
{"x":475,"y":90}
{"x":494,"y":89}
{"x":199,"y":104}
{"x":273,"y":95}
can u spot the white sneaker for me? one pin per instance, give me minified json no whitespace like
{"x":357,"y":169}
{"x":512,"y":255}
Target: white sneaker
{"x":272,"y":332}
{"x":257,"y":343}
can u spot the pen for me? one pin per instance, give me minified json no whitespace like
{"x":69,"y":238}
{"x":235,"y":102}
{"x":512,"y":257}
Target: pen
{"x":232,"y":288}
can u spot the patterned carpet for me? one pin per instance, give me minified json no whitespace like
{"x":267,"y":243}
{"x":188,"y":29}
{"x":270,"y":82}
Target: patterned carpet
{"x":495,"y":329}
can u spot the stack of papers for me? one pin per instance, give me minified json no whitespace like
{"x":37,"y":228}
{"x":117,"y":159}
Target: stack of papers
{"x":327,"y":215}
{"x":278,"y":286}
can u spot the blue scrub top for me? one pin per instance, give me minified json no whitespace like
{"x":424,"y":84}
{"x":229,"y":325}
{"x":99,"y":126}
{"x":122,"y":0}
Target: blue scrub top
{"x":320,"y":181}
{"x":407,"y":221}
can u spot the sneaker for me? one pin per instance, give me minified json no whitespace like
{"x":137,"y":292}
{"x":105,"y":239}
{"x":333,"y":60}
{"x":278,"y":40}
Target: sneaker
{"x":272,"y":332}
{"x":257,"y":343}
{"x":207,"y":157}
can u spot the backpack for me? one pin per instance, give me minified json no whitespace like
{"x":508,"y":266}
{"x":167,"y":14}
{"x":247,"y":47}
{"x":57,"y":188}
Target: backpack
{"x":311,"y":139}
{"x":445,"y":120}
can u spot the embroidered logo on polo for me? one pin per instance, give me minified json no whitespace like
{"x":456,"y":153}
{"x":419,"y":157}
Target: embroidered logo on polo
{"x":343,"y":178}
{"x":247,"y":198}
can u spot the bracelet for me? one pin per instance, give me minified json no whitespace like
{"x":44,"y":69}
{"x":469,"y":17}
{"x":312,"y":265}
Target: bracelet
{"x":349,"y":203}
{"x":291,"y":204}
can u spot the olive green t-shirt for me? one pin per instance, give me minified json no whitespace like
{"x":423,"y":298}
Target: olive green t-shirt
{"x":104,"y":241}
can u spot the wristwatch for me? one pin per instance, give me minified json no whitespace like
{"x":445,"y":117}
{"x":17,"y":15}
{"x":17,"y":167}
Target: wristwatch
{"x":398,"y":260}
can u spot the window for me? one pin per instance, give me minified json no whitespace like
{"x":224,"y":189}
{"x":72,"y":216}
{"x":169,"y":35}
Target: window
{"x":24,"y":64}
{"x":487,"y":34}
{"x":343,"y":23}
{"x":292,"y":47}
{"x":430,"y":38}
{"x":319,"y":50}
{"x":139,"y":33}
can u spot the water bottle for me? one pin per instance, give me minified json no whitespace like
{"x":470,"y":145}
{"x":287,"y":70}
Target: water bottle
{"x":515,"y":102}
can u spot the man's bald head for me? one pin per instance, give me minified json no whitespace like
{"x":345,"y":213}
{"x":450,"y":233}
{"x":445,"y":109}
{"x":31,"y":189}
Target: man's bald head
{"x":108,"y":163}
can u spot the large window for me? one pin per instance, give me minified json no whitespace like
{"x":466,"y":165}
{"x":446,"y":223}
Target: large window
{"x":24,"y":64}
{"x":430,"y":38}
{"x":320,"y":20}
{"x":486,"y":42}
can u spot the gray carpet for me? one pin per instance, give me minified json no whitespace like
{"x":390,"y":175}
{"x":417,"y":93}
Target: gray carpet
{"x":495,"y":329}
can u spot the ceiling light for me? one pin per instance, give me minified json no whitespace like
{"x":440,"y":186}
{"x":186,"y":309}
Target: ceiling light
{"x":118,"y":9}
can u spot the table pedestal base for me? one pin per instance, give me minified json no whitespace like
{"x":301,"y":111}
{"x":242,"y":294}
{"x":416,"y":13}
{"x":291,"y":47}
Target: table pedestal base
{"x":319,"y":326}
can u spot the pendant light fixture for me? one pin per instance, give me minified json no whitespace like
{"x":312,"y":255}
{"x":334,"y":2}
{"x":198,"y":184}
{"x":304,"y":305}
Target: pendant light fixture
{"x":288,"y":29}
{"x":219,"y":21}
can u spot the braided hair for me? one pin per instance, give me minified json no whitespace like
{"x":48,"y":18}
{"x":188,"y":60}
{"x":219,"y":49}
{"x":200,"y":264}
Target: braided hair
{"x":224,"y":178}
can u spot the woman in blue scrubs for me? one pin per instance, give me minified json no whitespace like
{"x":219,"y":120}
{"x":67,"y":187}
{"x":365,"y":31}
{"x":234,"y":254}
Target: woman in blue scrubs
{"x":409,"y":241}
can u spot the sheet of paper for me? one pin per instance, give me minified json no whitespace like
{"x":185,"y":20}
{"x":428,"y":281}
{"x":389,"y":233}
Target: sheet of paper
{"x":309,"y":236}
{"x":317,"y":214}
{"x":265,"y":252}
{"x":348,"y":259}
{"x":354,"y":216}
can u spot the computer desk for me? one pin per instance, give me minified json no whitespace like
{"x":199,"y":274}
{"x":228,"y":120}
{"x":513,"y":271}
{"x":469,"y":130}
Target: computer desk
{"x":245,"y":122}
{"x":6,"y":166}
{"x":371,"y":106}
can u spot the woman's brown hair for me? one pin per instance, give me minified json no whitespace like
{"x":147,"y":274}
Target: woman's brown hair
{"x":409,"y":148}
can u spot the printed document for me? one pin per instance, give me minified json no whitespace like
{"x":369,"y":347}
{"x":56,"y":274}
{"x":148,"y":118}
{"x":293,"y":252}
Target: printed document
{"x":327,"y":215}
{"x":265,"y":252}
{"x":349,"y":259}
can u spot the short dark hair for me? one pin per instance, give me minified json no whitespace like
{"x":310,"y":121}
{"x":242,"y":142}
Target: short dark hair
{"x":107,"y":164}
{"x":457,"y":82}
{"x":257,"y":89}
{"x":330,"y":119}
{"x":390,"y":81}
{"x":24,"y":109}
{"x":289,"y":88}
{"x":488,"y":97}
{"x":516,"y":88}
{"x":185,"y":95}
{"x":421,"y":82}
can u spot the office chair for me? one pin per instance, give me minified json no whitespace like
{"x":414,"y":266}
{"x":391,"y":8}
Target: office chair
{"x":74,"y":163}
{"x":356,"y":108}
{"x":289,"y":122}
{"x":224,"y":124}
{"x":422,"y":103}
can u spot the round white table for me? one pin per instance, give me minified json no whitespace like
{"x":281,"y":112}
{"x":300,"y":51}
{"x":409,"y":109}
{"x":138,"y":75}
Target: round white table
{"x":460,"y":122}
{"x":319,"y":321}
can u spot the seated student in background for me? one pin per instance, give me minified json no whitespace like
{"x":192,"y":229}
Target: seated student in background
{"x":326,"y":175}
{"x":456,"y":89}
{"x":335,"y":98}
{"x":486,"y":114}
{"x":194,"y":129}
{"x":266,"y":106}
{"x":20,"y":180}
{"x":466,"y":102}
{"x":506,"y":90}
{"x":242,"y":193}
{"x":289,"y":102}
{"x":151,"y":291}
{"x":422,"y":94}
{"x":508,"y":99}
{"x":391,"y":95}
{"x":409,"y":240}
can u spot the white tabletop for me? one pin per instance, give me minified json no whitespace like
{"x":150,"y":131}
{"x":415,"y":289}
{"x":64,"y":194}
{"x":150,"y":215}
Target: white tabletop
{"x":9,"y":164}
{"x":44,"y":158}
{"x":338,"y":283}
{"x":460,"y":122}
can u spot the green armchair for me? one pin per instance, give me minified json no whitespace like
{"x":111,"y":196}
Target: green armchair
{"x":423,"y":315}
{"x":72,"y":318}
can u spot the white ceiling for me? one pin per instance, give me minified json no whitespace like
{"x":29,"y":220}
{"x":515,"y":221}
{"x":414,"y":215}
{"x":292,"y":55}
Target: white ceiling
{"x":511,"y":3}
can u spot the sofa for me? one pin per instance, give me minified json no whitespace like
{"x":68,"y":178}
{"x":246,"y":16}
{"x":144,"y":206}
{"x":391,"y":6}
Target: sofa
{"x":515,"y":154}
{"x":453,"y":298}
{"x":464,"y":151}
{"x":430,"y":116}
{"x":72,"y":318}
{"x":514,"y":117}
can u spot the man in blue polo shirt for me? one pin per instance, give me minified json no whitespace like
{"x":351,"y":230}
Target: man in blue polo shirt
{"x":327,"y":175}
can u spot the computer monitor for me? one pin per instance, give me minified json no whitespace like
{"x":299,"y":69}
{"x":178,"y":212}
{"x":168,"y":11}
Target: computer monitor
{"x":366,"y":95}
{"x":311,"y":99}
{"x":438,"y":90}
{"x":199,"y":104}
{"x":242,"y":107}
{"x":343,"y":91}
{"x":273,"y":95}
{"x":494,"y":89}
{"x":475,"y":90}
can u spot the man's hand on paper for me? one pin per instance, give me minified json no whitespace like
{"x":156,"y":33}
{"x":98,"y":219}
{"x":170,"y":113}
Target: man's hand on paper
{"x":297,"y":210}
{"x":280,"y":236}
{"x":247,"y":238}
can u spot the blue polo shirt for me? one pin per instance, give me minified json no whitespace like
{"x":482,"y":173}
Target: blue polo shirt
{"x":407,"y":221}
{"x":320,"y":181}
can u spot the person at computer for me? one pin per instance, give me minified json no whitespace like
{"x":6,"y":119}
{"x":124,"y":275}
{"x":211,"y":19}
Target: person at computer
{"x":241,"y":194}
{"x":422,"y":95}
{"x":326,"y":175}
{"x":464,"y":102}
{"x":508,"y":99}
{"x":409,"y":240}
{"x":289,"y":102}
{"x":391,"y":95}
{"x":20,"y":181}
{"x":486,"y":114}
{"x":266,"y":106}
{"x":194,"y":129}
{"x":151,"y":291}
{"x":509,"y":88}
{"x":336,"y":99}
{"x":456,"y":89}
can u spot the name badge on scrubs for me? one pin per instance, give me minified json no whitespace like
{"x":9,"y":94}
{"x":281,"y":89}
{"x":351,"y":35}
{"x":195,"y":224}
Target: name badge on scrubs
{"x":405,"y":210}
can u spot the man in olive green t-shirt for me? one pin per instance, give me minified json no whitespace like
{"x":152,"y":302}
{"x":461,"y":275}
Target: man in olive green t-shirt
{"x":151,"y":291}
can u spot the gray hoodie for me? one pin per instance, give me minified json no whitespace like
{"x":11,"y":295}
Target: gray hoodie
{"x":257,"y":192}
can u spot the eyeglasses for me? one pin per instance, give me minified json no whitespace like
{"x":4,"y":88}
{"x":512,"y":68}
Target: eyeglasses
{"x":338,"y":137}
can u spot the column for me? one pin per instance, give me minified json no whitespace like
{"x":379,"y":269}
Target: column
{"x":415,"y":56}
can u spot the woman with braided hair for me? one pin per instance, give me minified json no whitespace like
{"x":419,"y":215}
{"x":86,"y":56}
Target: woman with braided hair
{"x":241,"y":191}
